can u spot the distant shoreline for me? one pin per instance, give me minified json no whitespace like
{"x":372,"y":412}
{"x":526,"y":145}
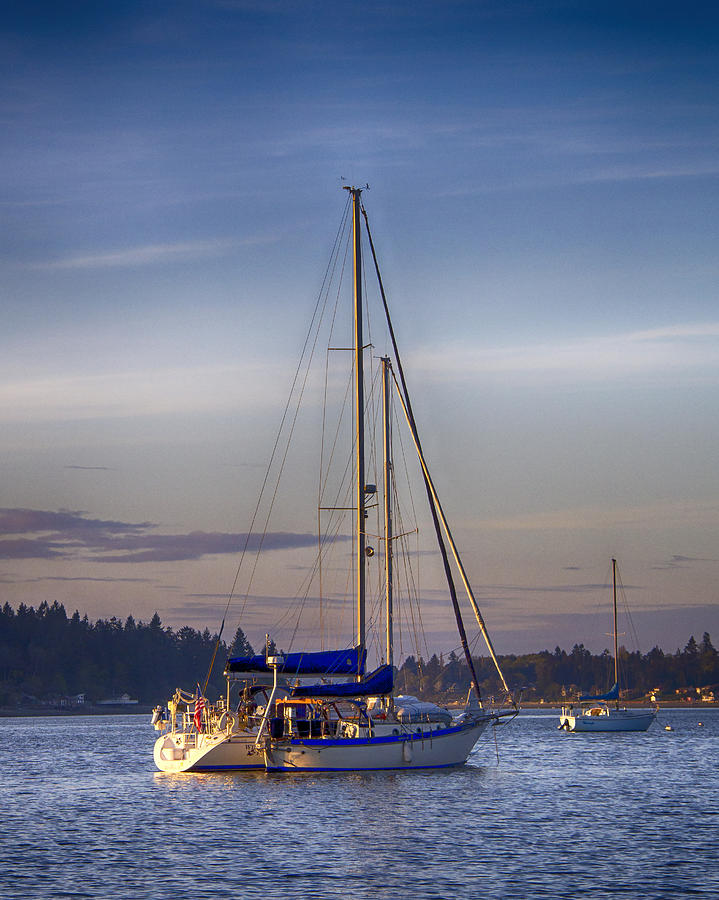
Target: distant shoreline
{"x":131,"y":709}
{"x":639,"y":704}
{"x":662,"y":704}
{"x":138,"y":710}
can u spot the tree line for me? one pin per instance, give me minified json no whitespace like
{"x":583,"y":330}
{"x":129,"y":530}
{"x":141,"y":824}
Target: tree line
{"x":557,"y":675}
{"x":46,"y":655}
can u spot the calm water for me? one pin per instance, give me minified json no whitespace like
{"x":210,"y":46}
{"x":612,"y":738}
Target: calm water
{"x":84,"y":814}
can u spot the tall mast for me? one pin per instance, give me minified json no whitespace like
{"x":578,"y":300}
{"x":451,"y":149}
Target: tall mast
{"x":616,"y":636}
{"x":359,"y":417}
{"x":387,"y":505}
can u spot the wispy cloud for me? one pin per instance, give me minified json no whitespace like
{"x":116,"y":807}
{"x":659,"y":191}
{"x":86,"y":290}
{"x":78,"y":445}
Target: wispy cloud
{"x":59,"y":578}
{"x":68,"y":522}
{"x":147,"y":255}
{"x":23,"y":548}
{"x":67,"y":535}
{"x":692,"y":348}
{"x":552,"y":588}
{"x":196,"y":544}
{"x":678,"y":561}
{"x":56,"y":534}
{"x":649,"y":516}
{"x":682,"y":350}
{"x":121,"y":394}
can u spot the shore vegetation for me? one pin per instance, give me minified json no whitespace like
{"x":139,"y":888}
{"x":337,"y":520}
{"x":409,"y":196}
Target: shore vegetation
{"x":51,"y":660}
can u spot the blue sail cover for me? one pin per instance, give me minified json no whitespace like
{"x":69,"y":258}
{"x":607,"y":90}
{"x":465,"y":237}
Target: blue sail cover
{"x":378,"y":682}
{"x":612,"y":694}
{"x":324,"y":662}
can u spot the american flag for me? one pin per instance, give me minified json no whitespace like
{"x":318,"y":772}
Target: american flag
{"x":199,"y":709}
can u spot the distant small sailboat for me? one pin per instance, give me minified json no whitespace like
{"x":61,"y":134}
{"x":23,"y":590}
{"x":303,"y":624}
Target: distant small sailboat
{"x":595,"y":713}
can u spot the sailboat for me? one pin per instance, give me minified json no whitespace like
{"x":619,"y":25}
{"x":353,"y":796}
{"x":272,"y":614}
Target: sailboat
{"x":363,"y":724}
{"x":322,"y":710}
{"x":603,"y":712}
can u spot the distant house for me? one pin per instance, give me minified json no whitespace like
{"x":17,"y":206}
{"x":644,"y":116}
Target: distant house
{"x":122,"y":700}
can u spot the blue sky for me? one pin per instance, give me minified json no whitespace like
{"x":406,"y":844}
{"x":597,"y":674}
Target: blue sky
{"x":544,"y":197}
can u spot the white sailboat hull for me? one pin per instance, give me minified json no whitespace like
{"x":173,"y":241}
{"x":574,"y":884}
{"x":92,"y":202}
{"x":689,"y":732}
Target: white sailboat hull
{"x":419,"y":750}
{"x":608,"y":720}
{"x":594,"y":713}
{"x":192,"y":752}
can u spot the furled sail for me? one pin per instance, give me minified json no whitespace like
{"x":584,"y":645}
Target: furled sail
{"x":612,"y":694}
{"x":378,"y":682}
{"x":324,"y":662}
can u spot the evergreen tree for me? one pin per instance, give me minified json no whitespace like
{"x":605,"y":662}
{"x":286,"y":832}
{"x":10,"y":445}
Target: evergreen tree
{"x":708,"y":661}
{"x":46,"y":655}
{"x":240,"y":646}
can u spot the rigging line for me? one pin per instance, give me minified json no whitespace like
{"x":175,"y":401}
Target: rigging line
{"x":307,"y":584}
{"x":431,"y":495}
{"x":408,"y":480}
{"x":318,"y":305}
{"x":412,"y":585}
{"x":627,"y":611}
{"x":413,"y":602}
{"x":329,"y":342}
{"x":438,"y":514}
{"x":413,"y":593}
{"x":408,"y":483}
{"x":412,"y":589}
{"x":320,"y":481}
{"x":302,"y":594}
{"x":438,"y":511}
{"x":413,"y":605}
{"x":412,"y":580}
{"x":344,"y":482}
{"x":338,"y":431}
{"x":341,"y":504}
{"x":327,"y":544}
{"x":299,"y":600}
{"x":288,"y":443}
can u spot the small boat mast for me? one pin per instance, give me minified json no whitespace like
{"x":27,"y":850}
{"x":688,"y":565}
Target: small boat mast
{"x":616,"y":635}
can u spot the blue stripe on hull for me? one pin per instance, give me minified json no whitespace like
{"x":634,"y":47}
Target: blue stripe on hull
{"x":299,"y":769}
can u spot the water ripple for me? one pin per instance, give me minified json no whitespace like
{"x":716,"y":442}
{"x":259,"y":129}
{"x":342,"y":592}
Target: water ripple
{"x":561,"y":816}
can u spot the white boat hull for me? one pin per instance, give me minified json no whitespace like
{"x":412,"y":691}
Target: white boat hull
{"x":192,"y":752}
{"x":429,"y":749}
{"x":612,"y":720}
